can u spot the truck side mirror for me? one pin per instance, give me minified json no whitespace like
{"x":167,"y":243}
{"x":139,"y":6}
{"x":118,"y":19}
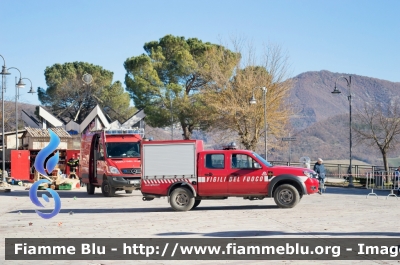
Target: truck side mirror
{"x":257,"y":165}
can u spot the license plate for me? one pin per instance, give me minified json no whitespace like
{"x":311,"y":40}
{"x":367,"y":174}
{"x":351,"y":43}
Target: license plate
{"x":136,"y":181}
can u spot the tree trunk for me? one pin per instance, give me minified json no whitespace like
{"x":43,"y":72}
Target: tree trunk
{"x":248,"y":144}
{"x":386,"y":165}
{"x":187,"y":134}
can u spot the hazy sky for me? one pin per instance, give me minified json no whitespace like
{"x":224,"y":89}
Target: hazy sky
{"x":354,"y":36}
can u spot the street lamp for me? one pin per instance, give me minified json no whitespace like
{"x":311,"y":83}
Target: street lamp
{"x":3,"y":73}
{"x":18,"y":85}
{"x":172,"y":121}
{"x":254,"y":101}
{"x":31,"y":91}
{"x":336,"y":91}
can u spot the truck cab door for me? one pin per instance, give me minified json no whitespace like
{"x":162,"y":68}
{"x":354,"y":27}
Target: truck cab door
{"x":100,"y":161}
{"x":246,"y":175}
{"x":94,"y":161}
{"x":212,"y":175}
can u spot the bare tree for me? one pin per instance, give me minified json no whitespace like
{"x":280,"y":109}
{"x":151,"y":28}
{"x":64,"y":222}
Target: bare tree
{"x":218,"y":138}
{"x":9,"y":116}
{"x":229,"y":96}
{"x":378,"y":124}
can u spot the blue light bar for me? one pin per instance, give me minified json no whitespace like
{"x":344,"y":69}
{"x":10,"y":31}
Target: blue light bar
{"x":125,"y":131}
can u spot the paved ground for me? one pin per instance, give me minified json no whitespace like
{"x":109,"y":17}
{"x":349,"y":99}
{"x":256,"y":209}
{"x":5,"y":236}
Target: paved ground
{"x":340,"y":212}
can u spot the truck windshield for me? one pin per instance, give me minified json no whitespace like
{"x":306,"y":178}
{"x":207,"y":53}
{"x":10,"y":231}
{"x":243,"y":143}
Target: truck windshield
{"x":121,"y":150}
{"x":265,"y":162}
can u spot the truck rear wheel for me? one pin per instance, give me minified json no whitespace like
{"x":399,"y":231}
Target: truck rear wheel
{"x":90,"y":188}
{"x":107,"y":189}
{"x":286,"y":196}
{"x":182,"y":199}
{"x":196,"y":203}
{"x":128,"y":191}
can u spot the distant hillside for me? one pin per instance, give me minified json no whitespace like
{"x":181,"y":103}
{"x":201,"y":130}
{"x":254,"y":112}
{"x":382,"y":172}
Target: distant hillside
{"x":314,"y":102}
{"x":9,"y":114}
{"x":330,"y":139}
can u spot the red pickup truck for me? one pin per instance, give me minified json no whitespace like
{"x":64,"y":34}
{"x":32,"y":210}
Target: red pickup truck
{"x":187,"y":174}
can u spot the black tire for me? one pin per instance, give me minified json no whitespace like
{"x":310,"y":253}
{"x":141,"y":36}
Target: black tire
{"x":182,"y":199}
{"x":196,"y":203}
{"x":128,"y":191}
{"x":286,"y":196}
{"x":90,"y":188}
{"x":107,"y":189}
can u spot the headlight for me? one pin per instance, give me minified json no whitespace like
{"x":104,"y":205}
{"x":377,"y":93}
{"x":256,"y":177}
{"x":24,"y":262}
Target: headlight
{"x":113,"y":170}
{"x":310,"y":174}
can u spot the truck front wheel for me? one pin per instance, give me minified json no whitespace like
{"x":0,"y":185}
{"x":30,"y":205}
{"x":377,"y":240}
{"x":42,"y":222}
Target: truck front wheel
{"x":182,"y":199}
{"x":286,"y":196}
{"x":196,"y":203}
{"x":90,"y":188}
{"x":107,"y":189}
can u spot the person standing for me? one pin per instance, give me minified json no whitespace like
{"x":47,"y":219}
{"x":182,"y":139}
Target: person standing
{"x":396,"y":180}
{"x":319,"y":168}
{"x":73,"y":164}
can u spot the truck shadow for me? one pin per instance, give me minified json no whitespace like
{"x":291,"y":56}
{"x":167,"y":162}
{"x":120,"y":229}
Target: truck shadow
{"x":255,"y":233}
{"x":148,"y":210}
{"x":65,"y":194}
{"x":355,"y":191}
{"x":82,"y":193}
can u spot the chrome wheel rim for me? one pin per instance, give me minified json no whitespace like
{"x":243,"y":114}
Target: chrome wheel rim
{"x":182,"y":199}
{"x":285,"y":196}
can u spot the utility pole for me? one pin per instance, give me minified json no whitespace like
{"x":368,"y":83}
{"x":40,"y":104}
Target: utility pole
{"x":289,"y":139}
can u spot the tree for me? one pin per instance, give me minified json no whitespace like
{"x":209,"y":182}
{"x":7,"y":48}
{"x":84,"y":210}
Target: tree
{"x":229,"y":98}
{"x":378,"y":124}
{"x":116,"y":102}
{"x":68,"y":97}
{"x":173,"y":72}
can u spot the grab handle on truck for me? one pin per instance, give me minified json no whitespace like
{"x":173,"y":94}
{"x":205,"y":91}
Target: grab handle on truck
{"x":208,"y":175}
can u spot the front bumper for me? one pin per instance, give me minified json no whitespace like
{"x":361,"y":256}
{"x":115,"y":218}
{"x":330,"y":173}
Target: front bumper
{"x":123,"y":182}
{"x":312,"y":185}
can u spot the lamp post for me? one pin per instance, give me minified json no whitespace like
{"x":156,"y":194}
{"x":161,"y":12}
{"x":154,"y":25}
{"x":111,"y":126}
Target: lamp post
{"x":172,"y":121}
{"x":3,"y":73}
{"x":254,"y":101}
{"x":31,"y":91}
{"x":18,"y":85}
{"x":289,"y":139}
{"x":336,"y":91}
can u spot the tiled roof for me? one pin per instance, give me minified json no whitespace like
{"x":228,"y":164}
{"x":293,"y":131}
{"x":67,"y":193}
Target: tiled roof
{"x":35,"y":132}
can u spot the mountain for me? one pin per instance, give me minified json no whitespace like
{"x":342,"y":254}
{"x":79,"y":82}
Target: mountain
{"x":321,"y":122}
{"x":329,"y":139}
{"x":313,"y":101}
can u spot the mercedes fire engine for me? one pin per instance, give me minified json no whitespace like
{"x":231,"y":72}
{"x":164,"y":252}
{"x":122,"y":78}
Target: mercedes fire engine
{"x":187,"y":174}
{"x":110,"y":159}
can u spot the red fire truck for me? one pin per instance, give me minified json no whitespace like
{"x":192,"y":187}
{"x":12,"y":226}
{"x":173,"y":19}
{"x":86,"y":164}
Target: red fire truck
{"x":187,"y":174}
{"x":110,"y":159}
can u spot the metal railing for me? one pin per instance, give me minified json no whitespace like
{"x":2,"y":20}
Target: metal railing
{"x":382,"y":180}
{"x":336,"y":172}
